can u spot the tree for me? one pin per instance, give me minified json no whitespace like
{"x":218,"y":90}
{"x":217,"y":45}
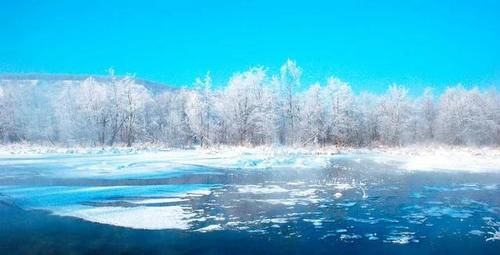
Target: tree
{"x":134,"y":98}
{"x":342,"y":113}
{"x":290,"y":75}
{"x":243,"y":99}
{"x":94,"y":110}
{"x":426,"y":116}
{"x":369,"y":118}
{"x":395,"y":111}
{"x":200,"y":109}
{"x":451,"y":116}
{"x":254,"y":108}
{"x":313,"y":118}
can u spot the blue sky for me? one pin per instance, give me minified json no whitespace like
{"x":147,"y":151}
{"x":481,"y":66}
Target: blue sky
{"x":369,"y":44}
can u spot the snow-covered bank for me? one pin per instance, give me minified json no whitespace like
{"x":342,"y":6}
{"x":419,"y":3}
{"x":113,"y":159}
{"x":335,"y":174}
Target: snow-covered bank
{"x":413,"y":158}
{"x":438,"y":158}
{"x":35,"y":149}
{"x":123,"y":158}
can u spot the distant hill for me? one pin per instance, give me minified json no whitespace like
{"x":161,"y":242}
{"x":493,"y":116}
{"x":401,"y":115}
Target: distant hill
{"x":54,"y":79}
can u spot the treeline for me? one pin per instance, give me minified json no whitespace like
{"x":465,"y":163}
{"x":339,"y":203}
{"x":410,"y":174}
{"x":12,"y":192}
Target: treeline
{"x":254,"y":108}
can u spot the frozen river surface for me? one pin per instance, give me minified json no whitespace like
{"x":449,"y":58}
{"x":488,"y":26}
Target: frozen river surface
{"x":209,"y":203}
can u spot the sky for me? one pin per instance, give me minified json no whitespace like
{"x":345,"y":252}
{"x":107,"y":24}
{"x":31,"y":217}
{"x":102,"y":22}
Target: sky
{"x":369,"y":44}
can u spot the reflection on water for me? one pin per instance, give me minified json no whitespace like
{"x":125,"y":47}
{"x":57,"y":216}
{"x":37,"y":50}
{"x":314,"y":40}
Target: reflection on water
{"x":350,"y":206}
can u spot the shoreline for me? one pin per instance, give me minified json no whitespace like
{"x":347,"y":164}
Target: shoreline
{"x":430,"y":157}
{"x":25,"y":148}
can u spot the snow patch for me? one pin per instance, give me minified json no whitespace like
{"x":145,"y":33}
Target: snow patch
{"x":267,"y":189}
{"x":157,"y":200}
{"x":141,"y":217}
{"x":438,"y":158}
{"x":210,"y":228}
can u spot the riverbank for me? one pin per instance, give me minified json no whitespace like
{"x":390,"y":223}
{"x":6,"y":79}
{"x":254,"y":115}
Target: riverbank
{"x":412,"y":158}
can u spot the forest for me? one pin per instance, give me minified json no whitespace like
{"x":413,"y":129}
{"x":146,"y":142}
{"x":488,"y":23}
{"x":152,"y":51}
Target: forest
{"x":254,"y":108}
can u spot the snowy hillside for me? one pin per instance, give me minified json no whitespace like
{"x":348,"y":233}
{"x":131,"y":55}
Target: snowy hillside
{"x":55,"y":80}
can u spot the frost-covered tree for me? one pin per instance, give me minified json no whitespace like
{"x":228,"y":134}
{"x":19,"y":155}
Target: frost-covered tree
{"x":134,"y":99}
{"x":394,"y":115}
{"x":244,"y":109}
{"x":253,"y":108}
{"x":159,"y":118}
{"x":313,"y":126}
{"x":369,"y":118}
{"x":342,"y":112}
{"x":452,"y":116}
{"x":492,"y":100}
{"x":426,"y":116}
{"x":290,"y":75}
{"x":466,"y":117}
{"x":22,"y":112}
{"x":200,"y":109}
{"x":93,"y":109}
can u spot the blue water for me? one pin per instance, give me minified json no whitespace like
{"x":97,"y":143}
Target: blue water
{"x":349,"y":207}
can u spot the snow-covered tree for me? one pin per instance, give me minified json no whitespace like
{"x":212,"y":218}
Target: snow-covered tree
{"x":369,"y":118}
{"x":93,"y":110}
{"x":466,"y":117}
{"x":243,"y":100}
{"x":254,"y":108}
{"x":290,"y":75}
{"x":426,"y":116}
{"x":342,"y":112}
{"x":134,"y":98}
{"x":313,"y":116}
{"x":394,"y":110}
{"x":200,"y":109}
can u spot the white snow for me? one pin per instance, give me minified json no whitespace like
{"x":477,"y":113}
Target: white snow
{"x":275,"y":221}
{"x":210,"y":228}
{"x":303,"y":193}
{"x":157,"y":160}
{"x":349,"y":238}
{"x":340,"y":186}
{"x":316,"y":222}
{"x":256,"y":189}
{"x":154,"y":162}
{"x":70,"y":201}
{"x":157,"y":200}
{"x":494,"y":231}
{"x":141,"y":217}
{"x":435,"y":158}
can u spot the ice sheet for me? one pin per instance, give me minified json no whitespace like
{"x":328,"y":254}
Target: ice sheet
{"x":141,"y":217}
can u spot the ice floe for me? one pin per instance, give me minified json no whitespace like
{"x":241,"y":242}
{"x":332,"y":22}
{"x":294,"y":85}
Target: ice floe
{"x":349,"y":238}
{"x":159,"y":200}
{"x":476,"y":232}
{"x":264,"y":189}
{"x":372,"y":236}
{"x":401,"y":237}
{"x":102,"y":204}
{"x":141,"y":217}
{"x":316,"y":222}
{"x":372,"y":220}
{"x":209,"y":228}
{"x":494,"y":231}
